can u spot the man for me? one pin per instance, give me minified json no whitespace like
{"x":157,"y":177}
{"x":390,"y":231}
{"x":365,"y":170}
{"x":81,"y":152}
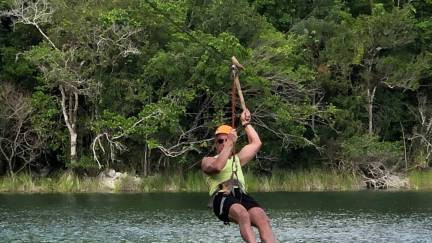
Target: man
{"x":226,"y":182}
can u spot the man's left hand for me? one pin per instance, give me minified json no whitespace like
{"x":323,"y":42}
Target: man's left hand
{"x":245,"y":117}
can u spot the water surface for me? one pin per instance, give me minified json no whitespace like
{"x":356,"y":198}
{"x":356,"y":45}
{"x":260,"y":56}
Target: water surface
{"x":182,"y":217}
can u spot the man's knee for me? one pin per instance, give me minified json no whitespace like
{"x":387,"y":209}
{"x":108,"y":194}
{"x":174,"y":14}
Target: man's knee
{"x":258,"y":212}
{"x":239,"y":213}
{"x":259,"y":216}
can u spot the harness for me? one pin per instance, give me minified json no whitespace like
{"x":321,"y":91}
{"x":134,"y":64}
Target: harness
{"x":228,"y":186}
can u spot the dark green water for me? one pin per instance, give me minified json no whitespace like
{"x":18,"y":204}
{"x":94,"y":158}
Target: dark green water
{"x":183,"y":217}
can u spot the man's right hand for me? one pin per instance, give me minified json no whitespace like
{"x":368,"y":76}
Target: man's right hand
{"x":232,"y":136}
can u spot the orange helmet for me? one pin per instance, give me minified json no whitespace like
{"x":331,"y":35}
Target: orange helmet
{"x":223,"y":129}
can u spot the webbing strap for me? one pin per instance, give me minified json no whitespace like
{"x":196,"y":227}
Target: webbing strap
{"x":221,"y":205}
{"x":234,"y":73}
{"x":233,"y":104}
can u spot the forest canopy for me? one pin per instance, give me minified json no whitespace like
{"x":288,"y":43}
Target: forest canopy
{"x":142,"y":84}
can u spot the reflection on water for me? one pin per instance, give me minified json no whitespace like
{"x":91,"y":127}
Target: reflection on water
{"x":182,"y":217}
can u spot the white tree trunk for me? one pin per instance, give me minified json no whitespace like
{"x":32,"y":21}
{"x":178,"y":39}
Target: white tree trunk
{"x":73,"y":146}
{"x":370,"y":98}
{"x":70,"y":108}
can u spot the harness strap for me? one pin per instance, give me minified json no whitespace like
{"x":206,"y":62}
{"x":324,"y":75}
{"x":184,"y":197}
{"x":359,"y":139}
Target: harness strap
{"x":234,"y":73}
{"x":221,"y":205}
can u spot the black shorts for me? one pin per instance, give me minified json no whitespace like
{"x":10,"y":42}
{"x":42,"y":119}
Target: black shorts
{"x":222,"y":203}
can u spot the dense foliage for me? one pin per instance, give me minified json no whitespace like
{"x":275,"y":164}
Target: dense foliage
{"x":141,"y":85}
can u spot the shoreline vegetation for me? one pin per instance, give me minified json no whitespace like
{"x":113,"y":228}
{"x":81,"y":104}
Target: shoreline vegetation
{"x":306,"y":180}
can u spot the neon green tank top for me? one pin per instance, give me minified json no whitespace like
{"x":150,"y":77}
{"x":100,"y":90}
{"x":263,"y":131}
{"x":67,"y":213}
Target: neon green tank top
{"x":225,"y":174}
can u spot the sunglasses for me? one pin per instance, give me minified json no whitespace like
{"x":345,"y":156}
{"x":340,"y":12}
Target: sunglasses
{"x":221,"y":141}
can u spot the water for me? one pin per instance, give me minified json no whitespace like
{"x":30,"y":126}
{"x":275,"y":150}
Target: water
{"x":182,"y":217}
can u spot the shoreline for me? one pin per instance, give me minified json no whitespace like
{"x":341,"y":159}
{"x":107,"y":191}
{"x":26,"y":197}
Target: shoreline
{"x":316,"y":180}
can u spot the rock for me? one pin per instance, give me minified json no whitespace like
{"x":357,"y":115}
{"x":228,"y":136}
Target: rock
{"x":109,"y":178}
{"x":377,"y":176}
{"x":395,"y":181}
{"x":110,"y":173}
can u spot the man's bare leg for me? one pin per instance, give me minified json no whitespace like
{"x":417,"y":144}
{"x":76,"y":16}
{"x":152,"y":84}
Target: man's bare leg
{"x":240,"y":215}
{"x":260,"y":220}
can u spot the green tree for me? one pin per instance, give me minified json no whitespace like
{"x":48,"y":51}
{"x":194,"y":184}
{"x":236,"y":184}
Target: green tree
{"x":372,"y":51}
{"x":73,"y":57}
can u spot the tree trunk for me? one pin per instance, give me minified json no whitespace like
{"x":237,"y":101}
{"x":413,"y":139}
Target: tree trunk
{"x":69,"y":106}
{"x":313,"y":115}
{"x":145,"y":162}
{"x":370,"y":98}
{"x":73,"y":145}
{"x":11,"y":167}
